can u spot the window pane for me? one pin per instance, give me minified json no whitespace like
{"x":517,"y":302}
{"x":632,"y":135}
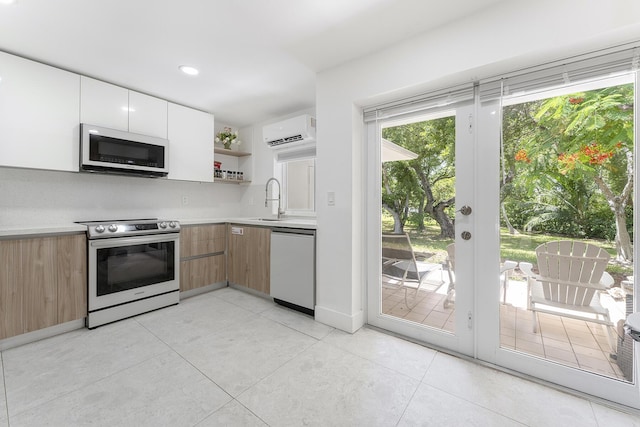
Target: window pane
{"x":300,"y":185}
{"x":567,"y":221}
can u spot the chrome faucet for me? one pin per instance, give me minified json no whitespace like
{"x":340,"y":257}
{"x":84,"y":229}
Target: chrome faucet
{"x":266,"y":195}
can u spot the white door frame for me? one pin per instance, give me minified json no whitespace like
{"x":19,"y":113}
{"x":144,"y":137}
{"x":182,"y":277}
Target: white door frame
{"x":462,"y":341}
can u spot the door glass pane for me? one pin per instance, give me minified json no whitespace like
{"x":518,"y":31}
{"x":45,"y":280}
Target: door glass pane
{"x":418,"y":197}
{"x":567,"y":222}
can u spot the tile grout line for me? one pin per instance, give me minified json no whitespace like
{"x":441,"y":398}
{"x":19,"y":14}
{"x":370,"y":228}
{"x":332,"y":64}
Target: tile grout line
{"x":593,"y":411}
{"x":194,"y":367}
{"x":404,"y":411}
{"x":469,"y":401}
{"x":82,"y":387}
{"x":233,"y":398}
{"x":4,"y":385}
{"x":380,"y":364}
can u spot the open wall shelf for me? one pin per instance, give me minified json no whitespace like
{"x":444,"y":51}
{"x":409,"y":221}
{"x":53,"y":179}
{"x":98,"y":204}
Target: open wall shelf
{"x":233,"y":153}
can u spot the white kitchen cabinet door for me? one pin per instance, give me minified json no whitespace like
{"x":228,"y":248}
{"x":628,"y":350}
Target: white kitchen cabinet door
{"x":104,"y":104}
{"x":147,"y":115}
{"x":190,"y":144}
{"x":39,"y":115}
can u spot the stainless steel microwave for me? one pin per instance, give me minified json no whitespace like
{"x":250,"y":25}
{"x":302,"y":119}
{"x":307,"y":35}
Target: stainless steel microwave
{"x":115,"y":151}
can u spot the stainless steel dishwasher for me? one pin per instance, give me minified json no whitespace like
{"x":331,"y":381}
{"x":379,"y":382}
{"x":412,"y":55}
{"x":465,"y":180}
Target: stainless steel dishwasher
{"x":293,"y":268}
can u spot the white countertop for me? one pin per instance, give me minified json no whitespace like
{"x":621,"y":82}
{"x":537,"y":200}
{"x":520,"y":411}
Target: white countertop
{"x":26,"y":231}
{"x":20,"y":231}
{"x":308,"y":223}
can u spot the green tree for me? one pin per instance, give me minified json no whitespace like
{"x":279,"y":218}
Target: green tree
{"x":588,"y":136}
{"x":433,"y":188}
{"x":398,"y":189}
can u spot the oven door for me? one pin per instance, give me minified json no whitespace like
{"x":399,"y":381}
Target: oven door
{"x":127,"y":269}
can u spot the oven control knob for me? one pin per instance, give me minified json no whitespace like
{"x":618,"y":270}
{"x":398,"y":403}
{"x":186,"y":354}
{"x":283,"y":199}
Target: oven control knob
{"x":172,"y":224}
{"x":113,"y":228}
{"x":100,"y":228}
{"x":163,"y":224}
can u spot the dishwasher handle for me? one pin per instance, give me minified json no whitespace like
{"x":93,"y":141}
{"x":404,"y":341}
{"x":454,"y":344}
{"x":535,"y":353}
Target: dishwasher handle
{"x":302,"y":231}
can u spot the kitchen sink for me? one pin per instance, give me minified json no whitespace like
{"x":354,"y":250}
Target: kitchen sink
{"x":267,"y":219}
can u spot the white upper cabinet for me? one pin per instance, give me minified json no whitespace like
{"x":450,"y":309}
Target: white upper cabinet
{"x":115,"y":107}
{"x":147,"y":115}
{"x":39,"y":115}
{"x":41,"y":108}
{"x":191,"y":137}
{"x":104,"y":104}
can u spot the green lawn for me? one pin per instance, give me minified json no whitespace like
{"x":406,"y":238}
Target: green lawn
{"x":520,"y":247}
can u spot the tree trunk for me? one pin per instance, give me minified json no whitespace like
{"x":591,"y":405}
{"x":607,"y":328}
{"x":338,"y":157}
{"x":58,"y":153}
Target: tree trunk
{"x":617,"y":204}
{"x":447,"y":227}
{"x":421,"y":215}
{"x":512,"y":230}
{"x":436,"y":210}
{"x":623,"y":240}
{"x":398,"y":226}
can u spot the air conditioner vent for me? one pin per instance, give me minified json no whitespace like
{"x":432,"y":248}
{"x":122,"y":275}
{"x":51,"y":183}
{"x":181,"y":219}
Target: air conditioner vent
{"x":297,"y":130}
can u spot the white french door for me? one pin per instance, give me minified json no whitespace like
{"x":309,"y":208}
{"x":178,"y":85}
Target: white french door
{"x":429,"y":317}
{"x":558,"y":346}
{"x":487,"y":286}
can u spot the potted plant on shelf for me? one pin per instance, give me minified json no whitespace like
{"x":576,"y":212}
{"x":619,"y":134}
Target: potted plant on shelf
{"x":227,"y":136}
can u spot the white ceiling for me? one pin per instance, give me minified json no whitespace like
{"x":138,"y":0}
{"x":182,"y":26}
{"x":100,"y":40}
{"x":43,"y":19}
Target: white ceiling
{"x":257,"y":58}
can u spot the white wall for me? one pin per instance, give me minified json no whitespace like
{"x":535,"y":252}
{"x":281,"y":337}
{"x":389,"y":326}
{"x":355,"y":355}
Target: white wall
{"x":252,"y":203}
{"x":513,"y":35}
{"x":35,"y":197}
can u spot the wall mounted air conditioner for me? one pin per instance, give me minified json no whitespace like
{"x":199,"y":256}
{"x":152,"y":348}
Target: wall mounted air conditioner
{"x":291,"y":132}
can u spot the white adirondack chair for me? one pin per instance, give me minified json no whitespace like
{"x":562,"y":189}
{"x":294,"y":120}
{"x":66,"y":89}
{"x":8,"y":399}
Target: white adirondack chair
{"x":570,"y":277}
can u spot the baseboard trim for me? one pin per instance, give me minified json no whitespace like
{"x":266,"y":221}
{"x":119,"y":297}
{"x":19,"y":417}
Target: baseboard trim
{"x":345,"y":322}
{"x":41,"y":334}
{"x":202,"y":290}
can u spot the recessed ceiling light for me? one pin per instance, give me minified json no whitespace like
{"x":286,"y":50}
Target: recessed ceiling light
{"x":128,"y":109}
{"x":7,"y":1}
{"x":189,"y":70}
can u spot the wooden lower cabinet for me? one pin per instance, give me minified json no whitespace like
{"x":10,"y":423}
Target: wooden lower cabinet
{"x":72,"y":277}
{"x":199,"y":272}
{"x":203,"y":255}
{"x":40,"y":298}
{"x":43,"y":283}
{"x":11,"y":286}
{"x":249,"y":257}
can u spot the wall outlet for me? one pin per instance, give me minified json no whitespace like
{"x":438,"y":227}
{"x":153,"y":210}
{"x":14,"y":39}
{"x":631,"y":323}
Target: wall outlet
{"x":185,"y":200}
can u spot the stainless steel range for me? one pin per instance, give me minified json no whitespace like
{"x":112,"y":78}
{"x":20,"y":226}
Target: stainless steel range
{"x":133,"y":268}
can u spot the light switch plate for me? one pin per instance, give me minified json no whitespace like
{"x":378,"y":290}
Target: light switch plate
{"x":331,"y":198}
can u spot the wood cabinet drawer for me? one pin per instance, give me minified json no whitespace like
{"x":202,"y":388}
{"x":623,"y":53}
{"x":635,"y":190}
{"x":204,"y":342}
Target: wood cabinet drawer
{"x":202,"y":240}
{"x":199,"y":272}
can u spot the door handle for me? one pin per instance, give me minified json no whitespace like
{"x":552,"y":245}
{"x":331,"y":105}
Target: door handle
{"x":465,"y":210}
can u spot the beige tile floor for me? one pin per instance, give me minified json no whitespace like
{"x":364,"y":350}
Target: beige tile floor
{"x":227,"y":358}
{"x":567,"y":341}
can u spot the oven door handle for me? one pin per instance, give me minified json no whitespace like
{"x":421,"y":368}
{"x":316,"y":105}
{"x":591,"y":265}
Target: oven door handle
{"x":137,"y":240}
